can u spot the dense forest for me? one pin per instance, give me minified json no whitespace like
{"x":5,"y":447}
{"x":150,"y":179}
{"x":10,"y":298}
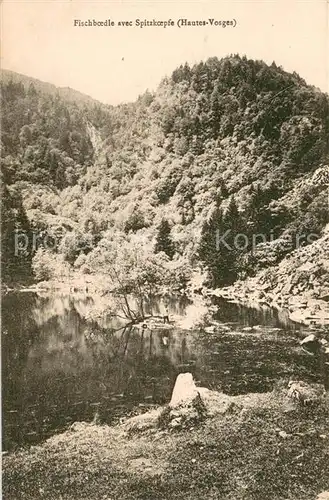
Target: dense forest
{"x":230,"y":146}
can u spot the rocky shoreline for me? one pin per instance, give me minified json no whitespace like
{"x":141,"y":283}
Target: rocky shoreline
{"x":302,"y":308}
{"x":299,"y":283}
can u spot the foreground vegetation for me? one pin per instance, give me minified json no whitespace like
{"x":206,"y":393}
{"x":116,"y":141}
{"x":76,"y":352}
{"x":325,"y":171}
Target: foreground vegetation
{"x":264,"y":446}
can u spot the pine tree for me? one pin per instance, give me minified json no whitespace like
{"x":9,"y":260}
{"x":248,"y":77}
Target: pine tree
{"x":236,"y":240}
{"x":232,"y":216}
{"x":222,"y":243}
{"x":214,"y":115}
{"x":259,"y":213}
{"x":15,"y":260}
{"x":210,"y":252}
{"x":164,"y":241}
{"x":222,"y":192}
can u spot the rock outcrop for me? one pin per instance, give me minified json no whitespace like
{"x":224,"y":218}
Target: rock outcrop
{"x":189,"y":406}
{"x":299,"y":283}
{"x":314,"y":345}
{"x":305,"y":393}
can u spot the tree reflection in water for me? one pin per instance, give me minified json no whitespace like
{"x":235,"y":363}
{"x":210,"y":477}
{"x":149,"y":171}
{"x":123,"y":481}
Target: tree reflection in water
{"x":61,"y":365}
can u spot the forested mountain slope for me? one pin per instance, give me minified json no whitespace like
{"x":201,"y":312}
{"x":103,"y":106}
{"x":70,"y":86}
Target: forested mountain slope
{"x":48,"y":88}
{"x":227,"y":145}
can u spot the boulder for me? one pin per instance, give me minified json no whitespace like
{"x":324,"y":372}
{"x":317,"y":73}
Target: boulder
{"x":188,"y":406}
{"x":304,"y":392}
{"x":191,"y":403}
{"x":309,"y":338}
{"x":184,"y":392}
{"x":323,"y":496}
{"x":144,"y":422}
{"x":311,"y":344}
{"x":210,"y":329}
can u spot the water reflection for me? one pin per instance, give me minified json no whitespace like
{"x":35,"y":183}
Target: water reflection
{"x":252,"y":316}
{"x":60,"y":366}
{"x":63,"y":363}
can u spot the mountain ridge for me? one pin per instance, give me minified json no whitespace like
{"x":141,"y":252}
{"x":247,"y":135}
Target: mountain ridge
{"x":64,"y":91}
{"x":225,"y":143}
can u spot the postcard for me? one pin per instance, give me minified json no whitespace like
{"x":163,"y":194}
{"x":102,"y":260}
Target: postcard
{"x":164,"y":250}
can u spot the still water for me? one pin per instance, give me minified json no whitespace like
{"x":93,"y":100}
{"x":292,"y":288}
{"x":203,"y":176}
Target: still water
{"x":59,"y":365}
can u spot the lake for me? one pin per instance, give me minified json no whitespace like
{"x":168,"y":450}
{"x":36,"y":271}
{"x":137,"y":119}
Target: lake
{"x":60,"y":365}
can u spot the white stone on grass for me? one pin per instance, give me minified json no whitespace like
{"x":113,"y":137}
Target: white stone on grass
{"x":184,"y":392}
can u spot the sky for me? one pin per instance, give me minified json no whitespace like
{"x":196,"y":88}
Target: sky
{"x":116,"y":64}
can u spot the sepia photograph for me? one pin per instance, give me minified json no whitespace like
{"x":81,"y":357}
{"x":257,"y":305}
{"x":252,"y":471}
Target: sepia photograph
{"x":165,"y":249}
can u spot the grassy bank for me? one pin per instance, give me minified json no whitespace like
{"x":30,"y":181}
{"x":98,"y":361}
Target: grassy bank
{"x":263,"y":446}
